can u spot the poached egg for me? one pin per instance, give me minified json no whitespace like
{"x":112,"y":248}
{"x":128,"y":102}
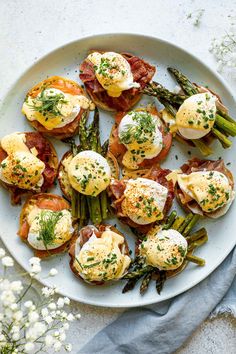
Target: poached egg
{"x":210,"y":189}
{"x":164,"y":249}
{"x":101,"y":258}
{"x":89,"y":173}
{"x":43,"y":222}
{"x":21,"y":167}
{"x":139,"y":132}
{"x":113,"y":72}
{"x":196,"y":116}
{"x":144,"y":200}
{"x":53,"y":108}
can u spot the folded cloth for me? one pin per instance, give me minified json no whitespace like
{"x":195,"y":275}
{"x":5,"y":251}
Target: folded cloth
{"x":162,"y":328}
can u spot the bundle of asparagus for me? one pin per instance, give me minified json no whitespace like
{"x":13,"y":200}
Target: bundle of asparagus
{"x":184,"y":225}
{"x":224,"y":125}
{"x":87,"y":207}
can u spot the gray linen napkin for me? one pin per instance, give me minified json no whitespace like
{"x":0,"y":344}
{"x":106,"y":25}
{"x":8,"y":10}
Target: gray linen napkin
{"x":164,"y":327}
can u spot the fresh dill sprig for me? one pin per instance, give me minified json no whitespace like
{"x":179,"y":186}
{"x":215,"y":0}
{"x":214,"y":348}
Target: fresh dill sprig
{"x":47,"y":104}
{"x":47,"y":223}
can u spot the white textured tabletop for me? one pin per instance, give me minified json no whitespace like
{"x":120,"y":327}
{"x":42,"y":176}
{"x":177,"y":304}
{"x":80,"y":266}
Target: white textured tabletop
{"x":30,"y":29}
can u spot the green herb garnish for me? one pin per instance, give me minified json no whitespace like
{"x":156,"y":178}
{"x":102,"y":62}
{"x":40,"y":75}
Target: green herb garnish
{"x":47,"y":104}
{"x":47,"y":223}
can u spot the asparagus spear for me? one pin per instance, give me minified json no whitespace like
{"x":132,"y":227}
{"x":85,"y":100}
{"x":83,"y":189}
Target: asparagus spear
{"x":196,"y":235}
{"x":226,"y":116}
{"x":184,"y":82}
{"x":145,"y":282}
{"x":199,"y":261}
{"x":191,"y":224}
{"x":157,"y":90}
{"x":225,"y":125}
{"x":160,"y":281}
{"x":138,"y":272}
{"x":187,"y":220}
{"x":170,"y":220}
{"x":130,"y":284}
{"x":74,"y":210}
{"x":205,"y":150}
{"x":198,"y":243}
{"x":83,"y":133}
{"x":225,"y":142}
{"x":178,"y":222}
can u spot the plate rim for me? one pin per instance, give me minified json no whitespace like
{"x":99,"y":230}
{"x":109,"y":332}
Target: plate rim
{"x":221,"y":80}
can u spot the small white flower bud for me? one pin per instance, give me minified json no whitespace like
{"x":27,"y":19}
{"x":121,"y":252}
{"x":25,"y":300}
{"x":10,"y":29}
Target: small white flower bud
{"x":53,"y":272}
{"x":7,"y":261}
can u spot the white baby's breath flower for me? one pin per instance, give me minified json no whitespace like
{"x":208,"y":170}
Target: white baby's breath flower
{"x":60,"y":303}
{"x":4,"y":284}
{"x":47,"y":292}
{"x":35,"y":266}
{"x":7,"y":298}
{"x":2,"y":252}
{"x":68,"y":347}
{"x":66,"y":300}
{"x":48,"y":319}
{"x":16,"y":336}
{"x":44,"y":312}
{"x":62,"y":337}
{"x":7,"y":261}
{"x":52,"y":306}
{"x":78,"y":316}
{"x":17,"y":316}
{"x":53,"y":272}
{"x":70,"y":317}
{"x":33,"y":316}
{"x":28,"y":304}
{"x":14,"y":307}
{"x":34,"y":261}
{"x":57,"y":346}
{"x":29,"y":347}
{"x":16,"y":286}
{"x":66,"y":326}
{"x":49,"y":340}
{"x":40,"y":328}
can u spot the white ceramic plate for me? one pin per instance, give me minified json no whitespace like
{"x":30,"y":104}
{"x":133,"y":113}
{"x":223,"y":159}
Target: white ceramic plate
{"x":65,"y":62}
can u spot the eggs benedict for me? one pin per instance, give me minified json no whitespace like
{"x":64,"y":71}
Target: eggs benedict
{"x":100,"y":254}
{"x":114,"y":80}
{"x":144,"y":200}
{"x":205,"y":187}
{"x":164,"y":249}
{"x":55,"y":106}
{"x":139,"y":138}
{"x":63,"y":176}
{"x":28,"y":163}
{"x":46,"y":224}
